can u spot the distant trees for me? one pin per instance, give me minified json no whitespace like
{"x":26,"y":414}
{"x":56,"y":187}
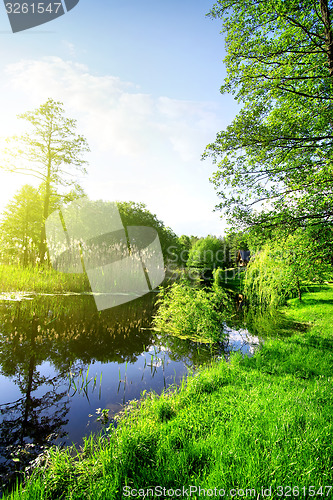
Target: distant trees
{"x":21,"y":222}
{"x":186,"y":243}
{"x":236,"y":241}
{"x":212,"y":252}
{"x":137,"y":214}
{"x":208,"y":254}
{"x":52,"y":152}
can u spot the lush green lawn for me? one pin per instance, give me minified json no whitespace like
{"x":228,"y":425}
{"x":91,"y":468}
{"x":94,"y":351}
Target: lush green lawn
{"x":40,"y":279}
{"x":257,"y":422}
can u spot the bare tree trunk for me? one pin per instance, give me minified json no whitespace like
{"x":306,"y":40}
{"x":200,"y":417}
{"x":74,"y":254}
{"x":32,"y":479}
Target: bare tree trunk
{"x":42,"y":245}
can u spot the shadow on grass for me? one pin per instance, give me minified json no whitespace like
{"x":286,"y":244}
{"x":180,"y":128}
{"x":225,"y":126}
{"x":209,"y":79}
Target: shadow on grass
{"x":317,"y":342}
{"x":312,"y":302}
{"x":301,"y":358}
{"x":270,"y":324}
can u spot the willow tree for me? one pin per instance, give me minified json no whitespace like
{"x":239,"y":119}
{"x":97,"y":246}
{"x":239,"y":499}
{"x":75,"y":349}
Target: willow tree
{"x":51,"y":151}
{"x":283,"y":267}
{"x":275,"y":160}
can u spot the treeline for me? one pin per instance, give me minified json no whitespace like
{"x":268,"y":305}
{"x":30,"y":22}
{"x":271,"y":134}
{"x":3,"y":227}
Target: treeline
{"x":53,"y":152}
{"x":22,"y":220}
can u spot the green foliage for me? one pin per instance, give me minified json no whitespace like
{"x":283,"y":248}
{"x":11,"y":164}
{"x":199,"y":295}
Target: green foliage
{"x":137,"y":214}
{"x":279,"y":147}
{"x":22,"y":220}
{"x":280,"y":267}
{"x":236,"y":241}
{"x":186,"y":243}
{"x":49,"y":146}
{"x":230,"y":279}
{"x":20,"y":227}
{"x":191,"y":312}
{"x":208,"y":254}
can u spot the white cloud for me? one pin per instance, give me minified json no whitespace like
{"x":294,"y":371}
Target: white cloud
{"x":143,"y":148}
{"x":70,"y":47}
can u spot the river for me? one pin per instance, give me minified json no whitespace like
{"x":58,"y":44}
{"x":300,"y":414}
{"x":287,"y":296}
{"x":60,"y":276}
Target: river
{"x":62,"y":362}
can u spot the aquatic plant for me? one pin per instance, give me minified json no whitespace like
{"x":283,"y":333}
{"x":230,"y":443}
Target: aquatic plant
{"x":192,"y":312}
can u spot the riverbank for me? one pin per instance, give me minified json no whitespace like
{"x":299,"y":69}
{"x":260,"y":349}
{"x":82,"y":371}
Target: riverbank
{"x":41,"y":280}
{"x":260,"y":422}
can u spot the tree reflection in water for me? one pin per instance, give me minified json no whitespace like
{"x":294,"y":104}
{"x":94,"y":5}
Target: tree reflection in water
{"x":45,"y":339}
{"x":68,"y":333}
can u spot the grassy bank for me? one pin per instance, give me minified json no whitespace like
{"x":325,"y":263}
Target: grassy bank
{"x":256,"y":423}
{"x":40,"y":279}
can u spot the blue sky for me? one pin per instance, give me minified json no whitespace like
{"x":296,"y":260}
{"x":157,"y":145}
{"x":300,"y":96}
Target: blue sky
{"x":142,"y":79}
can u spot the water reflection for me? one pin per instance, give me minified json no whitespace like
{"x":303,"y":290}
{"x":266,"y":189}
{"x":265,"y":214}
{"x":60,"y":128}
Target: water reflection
{"x":61,"y":360}
{"x":28,"y":422}
{"x":240,"y":340}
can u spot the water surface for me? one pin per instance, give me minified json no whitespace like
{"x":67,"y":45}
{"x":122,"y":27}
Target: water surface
{"x":62,"y":361}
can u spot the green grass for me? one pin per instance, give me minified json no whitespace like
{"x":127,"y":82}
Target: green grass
{"x":40,"y":279}
{"x":264,"y":421}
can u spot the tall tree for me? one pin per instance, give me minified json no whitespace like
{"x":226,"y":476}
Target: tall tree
{"x":51,"y":151}
{"x":275,"y":161}
{"x":186,"y":243}
{"x":283,"y":266}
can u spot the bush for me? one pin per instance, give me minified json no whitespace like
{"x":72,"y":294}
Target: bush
{"x":192,"y":312}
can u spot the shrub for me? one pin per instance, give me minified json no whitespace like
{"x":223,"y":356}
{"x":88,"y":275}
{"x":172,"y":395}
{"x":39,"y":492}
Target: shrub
{"x":192,"y":312}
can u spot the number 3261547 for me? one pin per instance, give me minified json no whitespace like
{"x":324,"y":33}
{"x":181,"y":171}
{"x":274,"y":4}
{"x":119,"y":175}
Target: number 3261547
{"x":33,"y":8}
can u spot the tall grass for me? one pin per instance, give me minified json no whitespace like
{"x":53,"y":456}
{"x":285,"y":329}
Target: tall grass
{"x":45,"y":279}
{"x":260,"y":422}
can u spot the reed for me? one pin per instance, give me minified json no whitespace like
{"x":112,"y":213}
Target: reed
{"x":42,"y":279}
